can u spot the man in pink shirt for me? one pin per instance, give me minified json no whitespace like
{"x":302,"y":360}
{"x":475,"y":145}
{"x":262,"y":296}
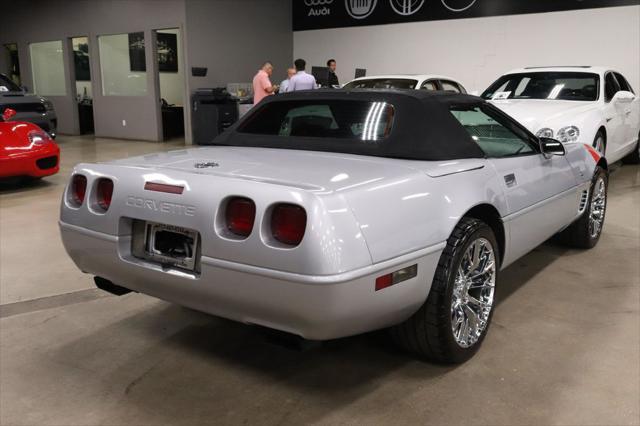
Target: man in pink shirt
{"x":262,"y":86}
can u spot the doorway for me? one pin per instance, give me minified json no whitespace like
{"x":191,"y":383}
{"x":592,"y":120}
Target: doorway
{"x":84,"y":94}
{"x":13,"y":63}
{"x":172,"y":82}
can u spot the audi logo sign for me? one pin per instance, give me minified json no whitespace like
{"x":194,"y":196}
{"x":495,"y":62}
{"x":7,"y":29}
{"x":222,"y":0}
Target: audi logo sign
{"x":319,"y":14}
{"x":318,"y":7}
{"x":313,"y":3}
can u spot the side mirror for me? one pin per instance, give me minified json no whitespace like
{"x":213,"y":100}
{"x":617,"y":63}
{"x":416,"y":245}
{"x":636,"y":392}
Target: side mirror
{"x":623,"y":97}
{"x":8,"y":114}
{"x":551,"y":147}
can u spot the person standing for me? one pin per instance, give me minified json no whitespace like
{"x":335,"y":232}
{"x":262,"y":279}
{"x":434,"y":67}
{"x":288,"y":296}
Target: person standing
{"x":284,"y":86}
{"x":333,"y":78}
{"x":262,"y":86}
{"x":302,"y":80}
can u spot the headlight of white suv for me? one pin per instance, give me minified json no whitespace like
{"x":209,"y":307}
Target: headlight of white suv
{"x":568,"y":134}
{"x":545,"y":133}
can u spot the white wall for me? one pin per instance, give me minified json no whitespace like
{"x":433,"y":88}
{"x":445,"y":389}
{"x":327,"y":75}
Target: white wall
{"x":477,"y":51}
{"x":233,"y":38}
{"x":172,"y":84}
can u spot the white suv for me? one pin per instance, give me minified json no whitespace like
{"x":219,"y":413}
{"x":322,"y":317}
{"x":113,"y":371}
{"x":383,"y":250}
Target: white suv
{"x":584,"y":104}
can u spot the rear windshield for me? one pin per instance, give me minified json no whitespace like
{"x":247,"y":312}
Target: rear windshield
{"x":6,"y":85}
{"x":383,"y":83}
{"x":568,"y":86}
{"x":390,"y":124}
{"x":358,"y":121}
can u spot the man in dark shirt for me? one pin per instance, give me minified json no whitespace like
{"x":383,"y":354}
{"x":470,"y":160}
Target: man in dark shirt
{"x":333,"y":78}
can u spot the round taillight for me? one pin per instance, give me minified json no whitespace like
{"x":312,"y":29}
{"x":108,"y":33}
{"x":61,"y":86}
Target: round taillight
{"x":240,"y":215}
{"x":288,"y":223}
{"x":104,"y":192}
{"x":78,"y":189}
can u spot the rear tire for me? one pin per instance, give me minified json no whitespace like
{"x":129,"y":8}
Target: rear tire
{"x":586,"y":231}
{"x":463,"y":288}
{"x":634,"y":157}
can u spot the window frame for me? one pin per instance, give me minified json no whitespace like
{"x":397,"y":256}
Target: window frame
{"x":608,"y":99}
{"x":453,"y":83}
{"x":622,"y":79}
{"x":431,"y":81}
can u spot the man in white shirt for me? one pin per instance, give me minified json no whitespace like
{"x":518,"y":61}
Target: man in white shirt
{"x":284,"y":86}
{"x":302,"y":80}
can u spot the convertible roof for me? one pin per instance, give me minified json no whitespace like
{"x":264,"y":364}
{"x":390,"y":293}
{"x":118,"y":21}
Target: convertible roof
{"x":424,"y":128}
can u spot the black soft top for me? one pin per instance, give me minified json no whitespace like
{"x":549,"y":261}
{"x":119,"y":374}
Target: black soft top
{"x":424,"y":128}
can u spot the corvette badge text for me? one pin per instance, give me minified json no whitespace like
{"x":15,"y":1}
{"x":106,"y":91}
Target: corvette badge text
{"x":161,"y":206}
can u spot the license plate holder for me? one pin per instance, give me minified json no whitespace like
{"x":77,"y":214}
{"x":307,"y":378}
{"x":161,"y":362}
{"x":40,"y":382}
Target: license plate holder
{"x":171,"y":245}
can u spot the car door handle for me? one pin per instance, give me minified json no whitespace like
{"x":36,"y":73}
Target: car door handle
{"x":627,"y":112}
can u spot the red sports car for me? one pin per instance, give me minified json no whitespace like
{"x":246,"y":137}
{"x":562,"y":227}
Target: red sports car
{"x":26,"y":149}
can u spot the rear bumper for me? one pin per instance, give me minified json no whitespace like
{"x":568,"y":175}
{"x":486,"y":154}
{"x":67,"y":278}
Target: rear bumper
{"x":314,"y":307}
{"x":41,"y":163}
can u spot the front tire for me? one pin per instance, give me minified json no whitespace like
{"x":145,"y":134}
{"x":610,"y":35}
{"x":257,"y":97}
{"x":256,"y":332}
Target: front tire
{"x":586,"y":231}
{"x":452,"y":323}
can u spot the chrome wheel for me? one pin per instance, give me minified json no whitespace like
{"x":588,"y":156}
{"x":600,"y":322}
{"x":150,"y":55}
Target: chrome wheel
{"x":597,"y":208}
{"x":473,"y":293}
{"x":598,"y":144}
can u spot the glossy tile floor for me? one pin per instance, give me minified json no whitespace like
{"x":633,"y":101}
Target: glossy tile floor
{"x":564,"y":347}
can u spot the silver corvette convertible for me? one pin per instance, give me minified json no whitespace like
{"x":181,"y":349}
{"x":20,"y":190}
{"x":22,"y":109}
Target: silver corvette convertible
{"x":334,"y":213}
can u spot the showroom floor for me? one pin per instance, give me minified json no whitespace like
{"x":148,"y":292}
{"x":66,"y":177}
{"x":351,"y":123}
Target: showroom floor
{"x":564,"y":347}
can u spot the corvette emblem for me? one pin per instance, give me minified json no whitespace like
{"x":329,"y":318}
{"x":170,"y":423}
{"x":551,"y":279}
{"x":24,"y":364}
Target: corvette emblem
{"x":206,"y":165}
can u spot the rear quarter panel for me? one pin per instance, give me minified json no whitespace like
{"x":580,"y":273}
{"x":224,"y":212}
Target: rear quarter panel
{"x":410,"y":214}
